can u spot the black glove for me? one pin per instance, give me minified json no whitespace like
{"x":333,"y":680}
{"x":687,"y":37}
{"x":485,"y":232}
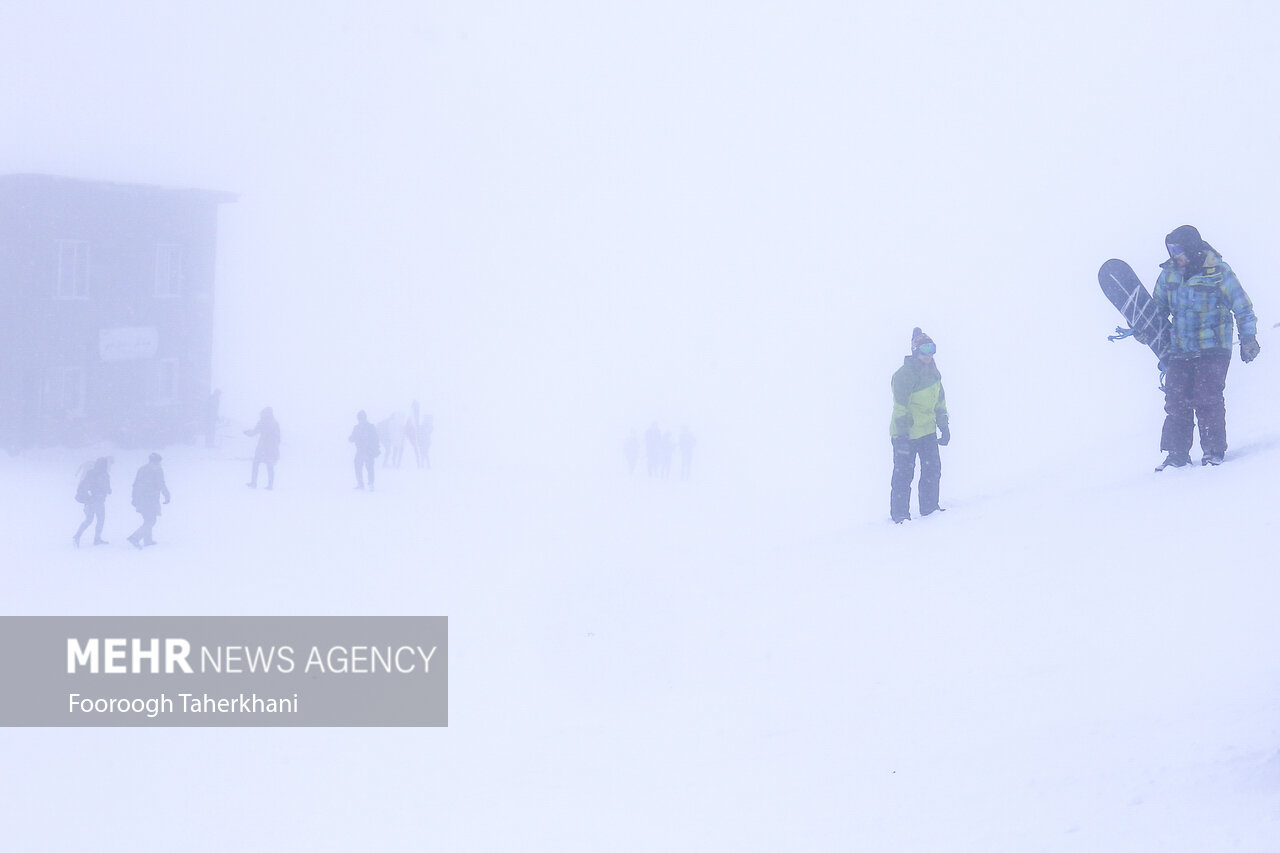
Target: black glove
{"x":1249,"y":348}
{"x":945,"y":438}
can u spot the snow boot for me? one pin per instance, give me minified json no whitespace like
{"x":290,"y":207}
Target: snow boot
{"x":1214,"y":459}
{"x":1175,"y":460}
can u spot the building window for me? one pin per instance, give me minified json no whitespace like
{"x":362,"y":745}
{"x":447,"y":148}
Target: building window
{"x":73,"y":269}
{"x":168,"y":270}
{"x":63,"y":392}
{"x":164,"y":382}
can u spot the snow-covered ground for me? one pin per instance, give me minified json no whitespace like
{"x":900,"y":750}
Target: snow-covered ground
{"x":554,"y":222}
{"x":1078,"y":655}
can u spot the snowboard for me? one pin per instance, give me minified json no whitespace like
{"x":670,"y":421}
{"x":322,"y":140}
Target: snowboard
{"x":1125,"y":290}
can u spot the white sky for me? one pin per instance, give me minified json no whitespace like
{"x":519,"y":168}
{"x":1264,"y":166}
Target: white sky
{"x":584,"y":216}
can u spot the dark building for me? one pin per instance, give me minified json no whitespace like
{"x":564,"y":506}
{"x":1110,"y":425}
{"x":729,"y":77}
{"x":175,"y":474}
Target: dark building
{"x":106,"y":310}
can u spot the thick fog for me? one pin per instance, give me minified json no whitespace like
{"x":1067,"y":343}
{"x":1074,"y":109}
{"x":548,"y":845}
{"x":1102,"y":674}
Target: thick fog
{"x":551,"y":223}
{"x":555,"y":223}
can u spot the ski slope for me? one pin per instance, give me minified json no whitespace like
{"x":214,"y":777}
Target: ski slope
{"x":1075,"y":656}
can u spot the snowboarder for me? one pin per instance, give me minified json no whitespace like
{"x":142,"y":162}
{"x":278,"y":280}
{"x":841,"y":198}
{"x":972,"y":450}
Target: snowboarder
{"x":268,"y":450}
{"x":919,"y":414}
{"x":1201,"y":294}
{"x":148,"y":487}
{"x":94,"y":487}
{"x":365,"y":438}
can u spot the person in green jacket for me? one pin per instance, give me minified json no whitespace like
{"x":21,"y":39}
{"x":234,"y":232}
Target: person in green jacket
{"x":919,"y":414}
{"x":1201,"y":295}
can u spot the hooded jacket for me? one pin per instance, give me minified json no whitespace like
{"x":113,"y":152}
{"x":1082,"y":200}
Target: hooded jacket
{"x":919,"y":402}
{"x":95,"y":485}
{"x":1201,"y":302}
{"x":268,"y":431}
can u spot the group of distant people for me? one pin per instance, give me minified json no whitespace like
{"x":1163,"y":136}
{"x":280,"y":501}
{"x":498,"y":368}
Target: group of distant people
{"x":393,"y":433}
{"x":148,"y":488}
{"x":660,"y":448}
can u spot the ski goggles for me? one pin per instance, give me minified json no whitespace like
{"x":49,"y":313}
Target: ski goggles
{"x":927,"y":348}
{"x":1175,"y":250}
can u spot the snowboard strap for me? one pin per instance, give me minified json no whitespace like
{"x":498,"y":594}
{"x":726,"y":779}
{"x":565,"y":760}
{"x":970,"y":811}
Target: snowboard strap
{"x":1122,"y":333}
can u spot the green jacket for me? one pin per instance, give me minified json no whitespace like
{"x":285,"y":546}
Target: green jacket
{"x":919,"y":403}
{"x":1201,"y":306}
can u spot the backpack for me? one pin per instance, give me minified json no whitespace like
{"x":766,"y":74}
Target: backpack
{"x":82,"y":491}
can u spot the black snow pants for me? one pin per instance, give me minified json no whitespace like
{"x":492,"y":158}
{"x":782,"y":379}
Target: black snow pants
{"x":905,"y":451}
{"x":93,"y":510}
{"x":1193,"y":390}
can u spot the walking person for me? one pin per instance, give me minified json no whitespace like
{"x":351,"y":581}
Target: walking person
{"x":365,"y":438}
{"x":919,"y":415}
{"x":148,"y":488}
{"x":631,"y":450}
{"x":1201,"y":295}
{"x":211,"y":417}
{"x":268,"y":450}
{"x":687,"y":443}
{"x":94,"y":487}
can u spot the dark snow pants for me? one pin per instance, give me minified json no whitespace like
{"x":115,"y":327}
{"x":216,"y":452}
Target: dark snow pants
{"x":271,"y":473}
{"x":905,"y":452}
{"x":364,"y":463}
{"x":1193,"y":393}
{"x":93,"y":510}
{"x":143,"y":533}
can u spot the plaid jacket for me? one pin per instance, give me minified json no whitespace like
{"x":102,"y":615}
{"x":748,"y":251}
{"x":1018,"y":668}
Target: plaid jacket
{"x":1201,"y":306}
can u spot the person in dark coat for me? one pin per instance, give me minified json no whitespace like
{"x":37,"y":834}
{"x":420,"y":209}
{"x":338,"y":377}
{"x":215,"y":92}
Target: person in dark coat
{"x":365,"y":438}
{"x":92,"y":492}
{"x":268,"y":450}
{"x":148,"y":488}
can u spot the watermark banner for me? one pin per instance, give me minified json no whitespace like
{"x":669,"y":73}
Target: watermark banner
{"x":224,"y":670}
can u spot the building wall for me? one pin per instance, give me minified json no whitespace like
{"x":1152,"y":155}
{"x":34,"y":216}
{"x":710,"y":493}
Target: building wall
{"x":108,"y":298}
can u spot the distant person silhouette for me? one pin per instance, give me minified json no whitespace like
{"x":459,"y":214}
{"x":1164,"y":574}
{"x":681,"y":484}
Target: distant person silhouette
{"x":666,"y":450}
{"x":653,"y":449}
{"x":631,"y":450}
{"x":148,"y":488}
{"x":267,"y":451}
{"x":365,"y":438}
{"x":94,"y":487}
{"x":687,"y":443}
{"x":211,"y":417}
{"x":413,"y":431}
